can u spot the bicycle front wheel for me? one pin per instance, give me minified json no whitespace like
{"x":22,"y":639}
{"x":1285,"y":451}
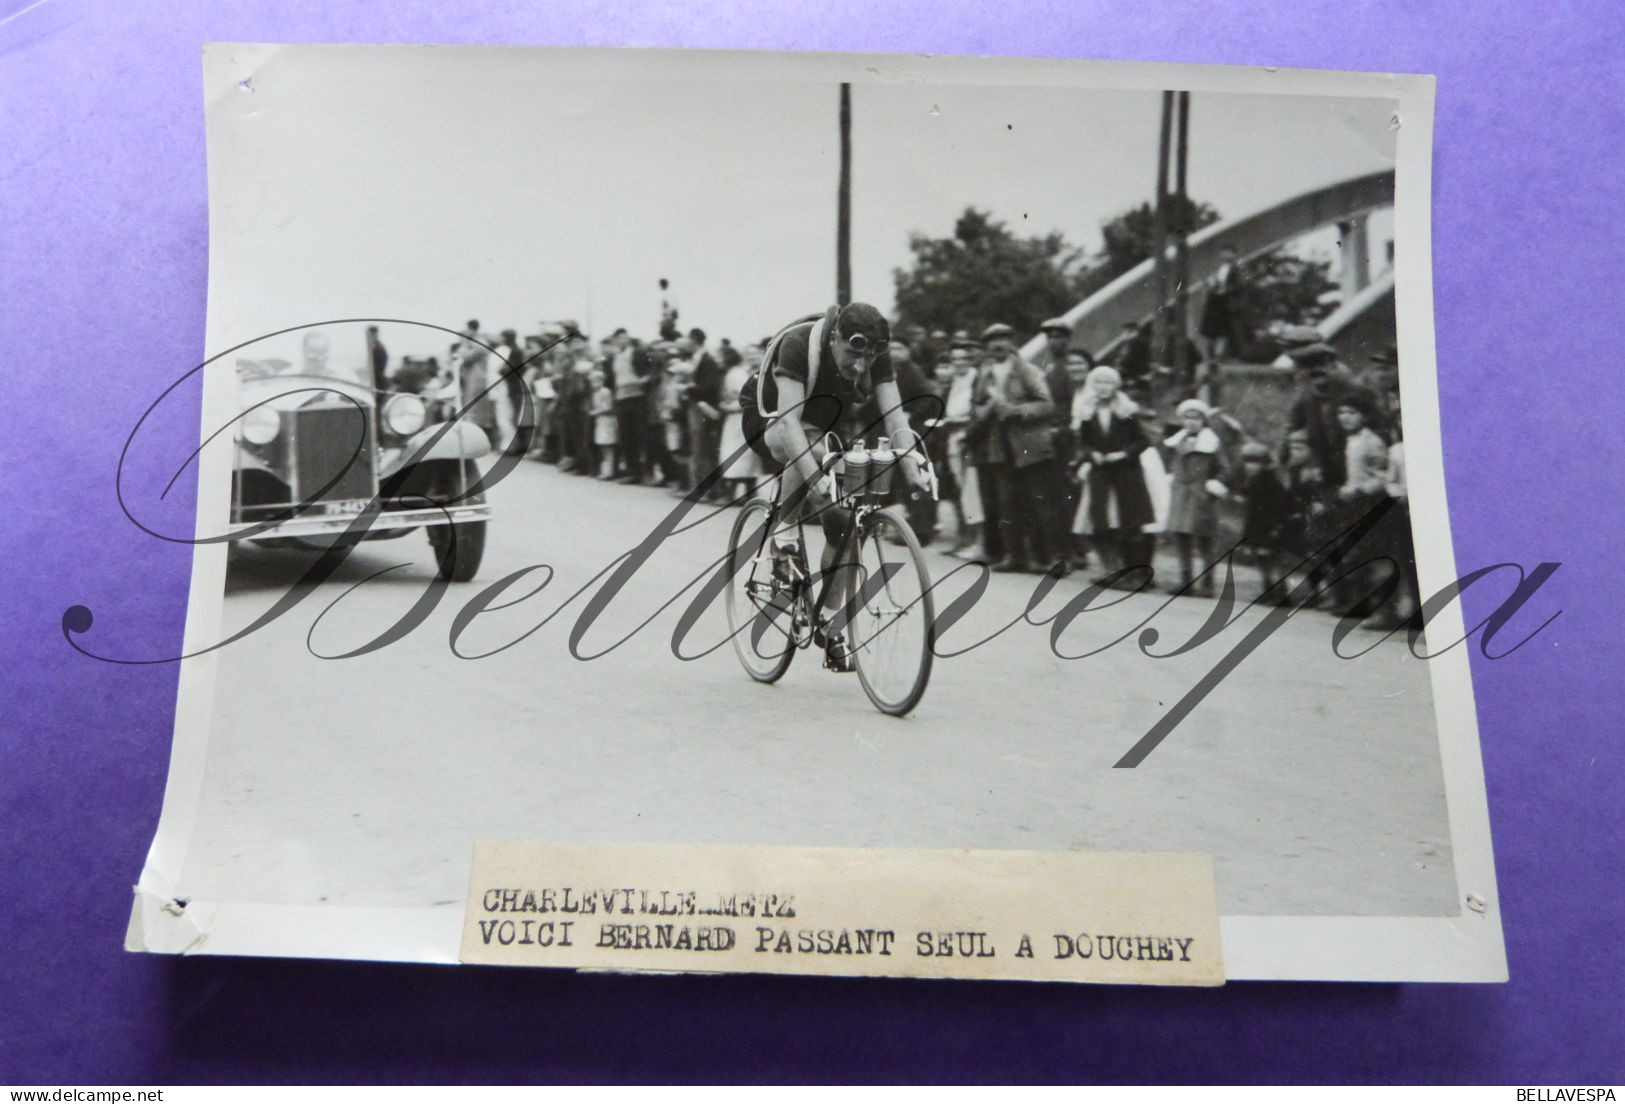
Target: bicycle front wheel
{"x":761,"y":612}
{"x":891,"y":620}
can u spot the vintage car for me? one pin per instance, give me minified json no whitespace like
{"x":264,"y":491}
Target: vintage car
{"x":317,"y":444}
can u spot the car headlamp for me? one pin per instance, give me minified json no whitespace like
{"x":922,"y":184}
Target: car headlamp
{"x":260,"y":425}
{"x":404,"y":415}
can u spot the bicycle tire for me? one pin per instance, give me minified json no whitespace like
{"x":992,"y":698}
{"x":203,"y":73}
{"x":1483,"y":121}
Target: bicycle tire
{"x":745,"y":627}
{"x":866,"y":653}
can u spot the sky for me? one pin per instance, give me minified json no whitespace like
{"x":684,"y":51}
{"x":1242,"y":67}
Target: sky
{"x":476,"y":184}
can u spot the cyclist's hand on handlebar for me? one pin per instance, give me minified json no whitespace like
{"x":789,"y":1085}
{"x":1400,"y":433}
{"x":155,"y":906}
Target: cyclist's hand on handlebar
{"x":919,"y":476}
{"x":823,"y":491}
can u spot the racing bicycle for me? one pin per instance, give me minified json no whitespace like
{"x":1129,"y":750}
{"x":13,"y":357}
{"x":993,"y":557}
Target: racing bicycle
{"x":887,"y":614}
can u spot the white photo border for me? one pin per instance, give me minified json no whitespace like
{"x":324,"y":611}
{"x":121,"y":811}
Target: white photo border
{"x":1464,"y":947}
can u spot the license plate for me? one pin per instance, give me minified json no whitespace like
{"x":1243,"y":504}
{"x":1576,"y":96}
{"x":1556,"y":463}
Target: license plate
{"x":355,"y":507}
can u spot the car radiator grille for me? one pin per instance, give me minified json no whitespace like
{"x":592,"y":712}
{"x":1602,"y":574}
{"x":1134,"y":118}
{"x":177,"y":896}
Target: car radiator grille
{"x":326,"y":440}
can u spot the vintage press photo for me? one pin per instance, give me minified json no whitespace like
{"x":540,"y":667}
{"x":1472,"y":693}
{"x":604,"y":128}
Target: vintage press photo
{"x":508,"y":345}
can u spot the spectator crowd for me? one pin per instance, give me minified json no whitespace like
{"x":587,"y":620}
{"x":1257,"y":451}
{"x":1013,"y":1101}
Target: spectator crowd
{"x":1050,"y":464}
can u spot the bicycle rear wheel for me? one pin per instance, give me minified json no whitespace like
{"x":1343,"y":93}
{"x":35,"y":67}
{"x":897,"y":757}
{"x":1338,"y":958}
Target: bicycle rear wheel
{"x":891,"y":622}
{"x":761,"y":612}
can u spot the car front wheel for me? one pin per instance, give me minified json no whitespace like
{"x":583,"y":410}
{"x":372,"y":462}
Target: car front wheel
{"x":458,"y":549}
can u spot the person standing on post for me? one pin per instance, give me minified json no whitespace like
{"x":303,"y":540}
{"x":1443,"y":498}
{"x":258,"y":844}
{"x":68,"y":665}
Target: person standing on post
{"x":668,"y":312}
{"x":1220,"y":329}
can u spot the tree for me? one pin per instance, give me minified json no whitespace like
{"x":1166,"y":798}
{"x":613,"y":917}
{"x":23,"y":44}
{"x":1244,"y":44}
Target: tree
{"x":1278,"y":286}
{"x":1130,"y":235}
{"x":1275,"y":286}
{"x":985,"y":274}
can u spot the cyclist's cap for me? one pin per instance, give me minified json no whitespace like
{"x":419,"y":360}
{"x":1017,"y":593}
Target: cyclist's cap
{"x":997,"y":330}
{"x":861,"y":321}
{"x":1056,"y":325}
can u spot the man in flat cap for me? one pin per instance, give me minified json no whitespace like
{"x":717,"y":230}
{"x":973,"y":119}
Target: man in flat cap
{"x":1324,"y":385}
{"x":1011,"y":436}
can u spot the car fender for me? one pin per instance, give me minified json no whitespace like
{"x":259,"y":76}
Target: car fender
{"x":248,"y":461}
{"x":463,"y":441}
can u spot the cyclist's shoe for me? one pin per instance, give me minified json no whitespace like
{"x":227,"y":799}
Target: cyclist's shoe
{"x":838,"y":654}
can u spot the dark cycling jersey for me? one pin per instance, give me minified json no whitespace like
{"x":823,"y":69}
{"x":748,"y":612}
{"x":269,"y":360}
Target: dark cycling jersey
{"x":833,"y":396}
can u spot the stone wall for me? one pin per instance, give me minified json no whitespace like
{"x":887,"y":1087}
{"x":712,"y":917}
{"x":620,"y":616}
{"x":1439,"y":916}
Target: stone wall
{"x":1259,"y":397}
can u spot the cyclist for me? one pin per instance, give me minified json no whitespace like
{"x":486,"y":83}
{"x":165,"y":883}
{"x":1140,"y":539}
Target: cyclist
{"x":815,"y":373}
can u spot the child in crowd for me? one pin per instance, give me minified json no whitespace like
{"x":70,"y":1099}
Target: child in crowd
{"x":673,"y":415}
{"x":1196,"y":470}
{"x":1310,"y":499}
{"x":1365,"y":460}
{"x":604,"y":435}
{"x":1365,"y":455}
{"x":1269,"y":516}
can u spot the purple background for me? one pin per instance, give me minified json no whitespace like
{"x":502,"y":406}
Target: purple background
{"x":104,"y":254}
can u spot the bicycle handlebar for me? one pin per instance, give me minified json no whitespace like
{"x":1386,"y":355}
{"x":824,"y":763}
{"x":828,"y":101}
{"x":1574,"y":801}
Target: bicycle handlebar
{"x":834,"y":456}
{"x":925,"y":462}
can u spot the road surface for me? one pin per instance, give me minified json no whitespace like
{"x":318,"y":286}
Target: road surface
{"x":1313,"y":780}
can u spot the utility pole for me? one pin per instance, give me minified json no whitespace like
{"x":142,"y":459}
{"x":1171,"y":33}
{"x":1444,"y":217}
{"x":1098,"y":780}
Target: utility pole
{"x":1181,"y":213}
{"x":1159,"y":239}
{"x":843,"y":214}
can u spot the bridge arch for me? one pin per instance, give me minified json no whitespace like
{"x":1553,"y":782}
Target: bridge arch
{"x":1132,"y":297}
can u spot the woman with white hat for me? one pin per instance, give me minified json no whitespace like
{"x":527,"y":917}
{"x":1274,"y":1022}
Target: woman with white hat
{"x":1116,"y":504}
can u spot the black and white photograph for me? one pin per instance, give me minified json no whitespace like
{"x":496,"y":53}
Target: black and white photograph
{"x":691,"y":449}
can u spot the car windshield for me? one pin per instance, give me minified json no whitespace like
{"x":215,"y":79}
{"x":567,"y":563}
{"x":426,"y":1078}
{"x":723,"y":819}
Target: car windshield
{"x":311,"y":354}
